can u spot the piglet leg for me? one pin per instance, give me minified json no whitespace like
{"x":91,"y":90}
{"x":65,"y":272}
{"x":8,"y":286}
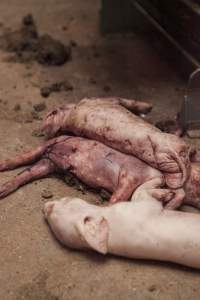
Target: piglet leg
{"x":30,"y":156}
{"x":125,"y":188}
{"x":171,"y":198}
{"x":123,"y":193}
{"x":177,"y":200}
{"x":137,"y":107}
{"x":22,"y":159}
{"x":39,"y":170}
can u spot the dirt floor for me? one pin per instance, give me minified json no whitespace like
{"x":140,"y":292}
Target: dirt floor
{"x":33,"y":265}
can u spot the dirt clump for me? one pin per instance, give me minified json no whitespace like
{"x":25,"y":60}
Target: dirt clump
{"x":55,"y":87}
{"x":28,"y":45}
{"x":52,"y":52}
{"x":17,"y":107}
{"x":39,"y":106}
{"x":46,"y":194}
{"x":37,"y":132}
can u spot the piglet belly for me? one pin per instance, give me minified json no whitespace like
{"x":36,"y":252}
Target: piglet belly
{"x":97,"y":174}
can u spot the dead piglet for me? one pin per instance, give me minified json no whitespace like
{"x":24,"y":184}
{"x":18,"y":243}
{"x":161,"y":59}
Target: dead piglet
{"x":41,"y":167}
{"x":140,"y":228}
{"x":56,"y":120}
{"x":113,"y":125}
{"x":94,"y":163}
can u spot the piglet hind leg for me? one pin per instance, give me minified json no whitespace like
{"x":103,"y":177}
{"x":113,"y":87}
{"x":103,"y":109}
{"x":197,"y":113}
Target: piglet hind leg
{"x":22,"y":159}
{"x":30,"y":156}
{"x":170,"y":198}
{"x":39,"y":170}
{"x":176,"y":201}
{"x":127,"y":186}
{"x":137,"y":107}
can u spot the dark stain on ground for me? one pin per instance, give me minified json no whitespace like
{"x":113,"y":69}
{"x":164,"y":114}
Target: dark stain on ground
{"x":72,"y":181}
{"x":168,"y":126}
{"x":28,"y":45}
{"x":36,"y":290}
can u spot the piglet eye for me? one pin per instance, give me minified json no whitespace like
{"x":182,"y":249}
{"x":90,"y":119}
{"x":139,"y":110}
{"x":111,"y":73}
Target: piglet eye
{"x":54,"y":112}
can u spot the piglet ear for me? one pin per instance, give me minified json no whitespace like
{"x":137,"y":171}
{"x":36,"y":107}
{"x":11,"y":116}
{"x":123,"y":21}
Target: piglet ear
{"x":95,"y":231}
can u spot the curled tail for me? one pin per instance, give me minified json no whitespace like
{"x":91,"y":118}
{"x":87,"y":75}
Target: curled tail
{"x":177,"y":180}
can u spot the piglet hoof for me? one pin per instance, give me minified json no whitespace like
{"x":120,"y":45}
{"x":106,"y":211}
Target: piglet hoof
{"x":3,"y":192}
{"x":168,"y":197}
{"x":3,"y":166}
{"x":177,"y":200}
{"x":7,"y":188}
{"x":164,"y":195}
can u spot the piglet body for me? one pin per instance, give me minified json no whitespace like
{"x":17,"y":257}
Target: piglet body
{"x":94,"y":163}
{"x":97,"y":165}
{"x":137,"y":229}
{"x":115,"y":126}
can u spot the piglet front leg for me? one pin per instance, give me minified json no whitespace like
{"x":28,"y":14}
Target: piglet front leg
{"x":39,"y":170}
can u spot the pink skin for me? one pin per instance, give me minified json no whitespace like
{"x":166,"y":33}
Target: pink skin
{"x":59,"y":114}
{"x":96,"y":165}
{"x":192,"y":186}
{"x":140,"y":228}
{"x":113,"y":125}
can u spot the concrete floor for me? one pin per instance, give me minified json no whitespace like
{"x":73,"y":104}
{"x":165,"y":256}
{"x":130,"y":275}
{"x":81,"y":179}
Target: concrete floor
{"x":33,"y":265}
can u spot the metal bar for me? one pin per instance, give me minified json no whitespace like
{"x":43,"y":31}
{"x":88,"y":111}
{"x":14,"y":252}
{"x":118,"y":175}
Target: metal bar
{"x":186,"y":54}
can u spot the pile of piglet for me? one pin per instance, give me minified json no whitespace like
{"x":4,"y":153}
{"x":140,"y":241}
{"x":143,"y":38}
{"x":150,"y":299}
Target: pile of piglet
{"x":107,"y":145}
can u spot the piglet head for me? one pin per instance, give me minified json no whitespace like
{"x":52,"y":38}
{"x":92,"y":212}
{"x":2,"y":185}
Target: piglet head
{"x":55,"y":120}
{"x":78,"y":224}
